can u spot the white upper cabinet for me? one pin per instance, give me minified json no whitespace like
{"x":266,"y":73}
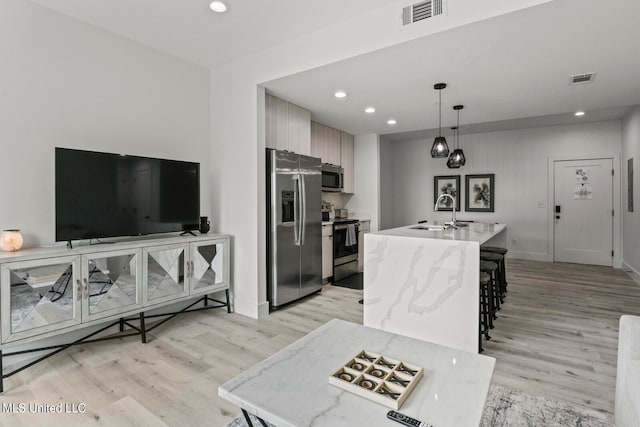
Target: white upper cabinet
{"x":287,"y":126}
{"x":347,"y":161}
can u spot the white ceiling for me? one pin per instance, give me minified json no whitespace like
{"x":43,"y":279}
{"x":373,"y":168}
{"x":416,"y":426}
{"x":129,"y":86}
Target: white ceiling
{"x":188,"y":29}
{"x":508,"y":71}
{"x":513,"y":69}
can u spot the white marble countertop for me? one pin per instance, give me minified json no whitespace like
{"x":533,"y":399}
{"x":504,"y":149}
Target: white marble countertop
{"x":474,"y":232}
{"x":291,"y":388}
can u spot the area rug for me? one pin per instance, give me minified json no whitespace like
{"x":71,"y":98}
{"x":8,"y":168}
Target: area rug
{"x":506,"y":407}
{"x":511,"y":408}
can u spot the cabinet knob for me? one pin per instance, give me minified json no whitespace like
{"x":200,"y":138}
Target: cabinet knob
{"x":78,"y":290}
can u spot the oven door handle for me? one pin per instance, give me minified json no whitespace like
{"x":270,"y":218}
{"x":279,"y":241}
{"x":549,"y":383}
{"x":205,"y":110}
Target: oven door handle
{"x":344,"y":227}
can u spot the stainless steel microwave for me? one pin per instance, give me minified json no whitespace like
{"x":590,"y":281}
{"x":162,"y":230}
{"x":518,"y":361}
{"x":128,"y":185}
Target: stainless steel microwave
{"x":332,"y":177}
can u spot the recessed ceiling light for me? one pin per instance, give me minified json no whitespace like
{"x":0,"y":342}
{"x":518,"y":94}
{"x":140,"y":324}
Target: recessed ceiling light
{"x":579,"y":113}
{"x":340,"y":94}
{"x":391,"y":122}
{"x":218,"y":6}
{"x":369,"y":110}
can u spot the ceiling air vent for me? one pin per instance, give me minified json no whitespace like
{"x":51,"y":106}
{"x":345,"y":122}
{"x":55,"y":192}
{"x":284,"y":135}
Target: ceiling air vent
{"x":582,"y":78}
{"x":419,"y":11}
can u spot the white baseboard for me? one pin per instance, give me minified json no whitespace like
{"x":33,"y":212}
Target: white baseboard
{"x":531,"y":256}
{"x":631,"y":272}
{"x":251,"y":309}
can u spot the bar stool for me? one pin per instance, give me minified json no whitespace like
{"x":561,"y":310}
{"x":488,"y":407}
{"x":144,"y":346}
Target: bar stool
{"x":491,"y":268}
{"x":500,"y":276}
{"x":483,"y":327}
{"x":503,"y":265}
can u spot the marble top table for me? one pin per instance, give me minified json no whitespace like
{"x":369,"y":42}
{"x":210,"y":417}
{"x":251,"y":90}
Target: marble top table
{"x":291,"y":388}
{"x":424,"y":283}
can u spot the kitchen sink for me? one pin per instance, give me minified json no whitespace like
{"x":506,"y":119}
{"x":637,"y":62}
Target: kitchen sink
{"x":429,"y":228}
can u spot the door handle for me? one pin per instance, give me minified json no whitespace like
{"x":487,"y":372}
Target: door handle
{"x":303,"y":208}
{"x":78,"y":290}
{"x":296,"y":210}
{"x":557,"y":216}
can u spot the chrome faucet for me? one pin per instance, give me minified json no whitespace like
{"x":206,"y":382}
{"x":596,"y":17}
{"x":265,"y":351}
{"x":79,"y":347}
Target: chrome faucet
{"x":452,"y":224}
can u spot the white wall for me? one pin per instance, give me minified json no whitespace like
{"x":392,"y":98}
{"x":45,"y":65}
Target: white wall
{"x":238,"y":149}
{"x":387,"y":173}
{"x":69,"y":84}
{"x":631,"y":220}
{"x":519,"y":159}
{"x":367,"y":179}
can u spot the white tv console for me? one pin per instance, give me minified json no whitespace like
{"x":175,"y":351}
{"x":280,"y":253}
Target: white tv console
{"x":50,"y":291}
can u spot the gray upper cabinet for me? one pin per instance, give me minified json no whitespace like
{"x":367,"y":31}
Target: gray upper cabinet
{"x":347,"y":161}
{"x":335,"y":147}
{"x":299,"y":129}
{"x":317,"y":141}
{"x":325,"y":143}
{"x":287,"y":126}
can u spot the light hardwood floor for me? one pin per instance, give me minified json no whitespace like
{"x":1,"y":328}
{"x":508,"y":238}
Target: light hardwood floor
{"x":556,"y":337}
{"x":557,"y":334}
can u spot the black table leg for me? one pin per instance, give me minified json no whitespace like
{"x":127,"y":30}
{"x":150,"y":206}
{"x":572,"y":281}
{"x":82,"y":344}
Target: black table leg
{"x":143,"y":331}
{"x":248,"y":419}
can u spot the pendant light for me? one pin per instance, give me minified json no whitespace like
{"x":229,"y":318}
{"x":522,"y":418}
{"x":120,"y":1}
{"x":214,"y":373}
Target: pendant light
{"x":457,"y":158}
{"x":439,"y":149}
{"x":451,"y":162}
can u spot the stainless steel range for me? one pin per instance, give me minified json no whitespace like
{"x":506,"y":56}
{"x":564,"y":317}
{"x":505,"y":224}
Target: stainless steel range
{"x":345,"y":247}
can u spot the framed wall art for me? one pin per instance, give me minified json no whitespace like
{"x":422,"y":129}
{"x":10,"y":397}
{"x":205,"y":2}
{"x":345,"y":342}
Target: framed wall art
{"x":446,"y":184}
{"x":480,"y":193}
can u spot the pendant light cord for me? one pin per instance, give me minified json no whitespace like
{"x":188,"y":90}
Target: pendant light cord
{"x":440,"y":112}
{"x":458,"y":132}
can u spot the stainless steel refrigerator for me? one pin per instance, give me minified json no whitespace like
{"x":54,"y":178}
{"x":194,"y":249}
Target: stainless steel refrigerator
{"x":294,"y":226}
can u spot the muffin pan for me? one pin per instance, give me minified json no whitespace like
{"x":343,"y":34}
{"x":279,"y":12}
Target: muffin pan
{"x":379,"y":378}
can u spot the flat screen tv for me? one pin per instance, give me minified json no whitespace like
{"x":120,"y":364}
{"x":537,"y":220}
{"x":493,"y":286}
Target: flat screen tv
{"x":108,"y":195}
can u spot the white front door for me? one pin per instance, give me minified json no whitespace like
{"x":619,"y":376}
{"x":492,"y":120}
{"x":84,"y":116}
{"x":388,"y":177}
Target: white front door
{"x":583,"y":214}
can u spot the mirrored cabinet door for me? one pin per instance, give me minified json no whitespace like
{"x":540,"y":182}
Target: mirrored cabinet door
{"x":210,"y":266}
{"x":39,"y":296}
{"x":165,"y":272}
{"x":111,"y":283}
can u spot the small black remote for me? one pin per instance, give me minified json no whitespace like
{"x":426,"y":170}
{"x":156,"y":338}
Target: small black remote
{"x":406,"y":420}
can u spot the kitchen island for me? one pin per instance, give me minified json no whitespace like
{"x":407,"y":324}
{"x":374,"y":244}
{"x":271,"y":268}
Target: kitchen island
{"x":422,"y":281}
